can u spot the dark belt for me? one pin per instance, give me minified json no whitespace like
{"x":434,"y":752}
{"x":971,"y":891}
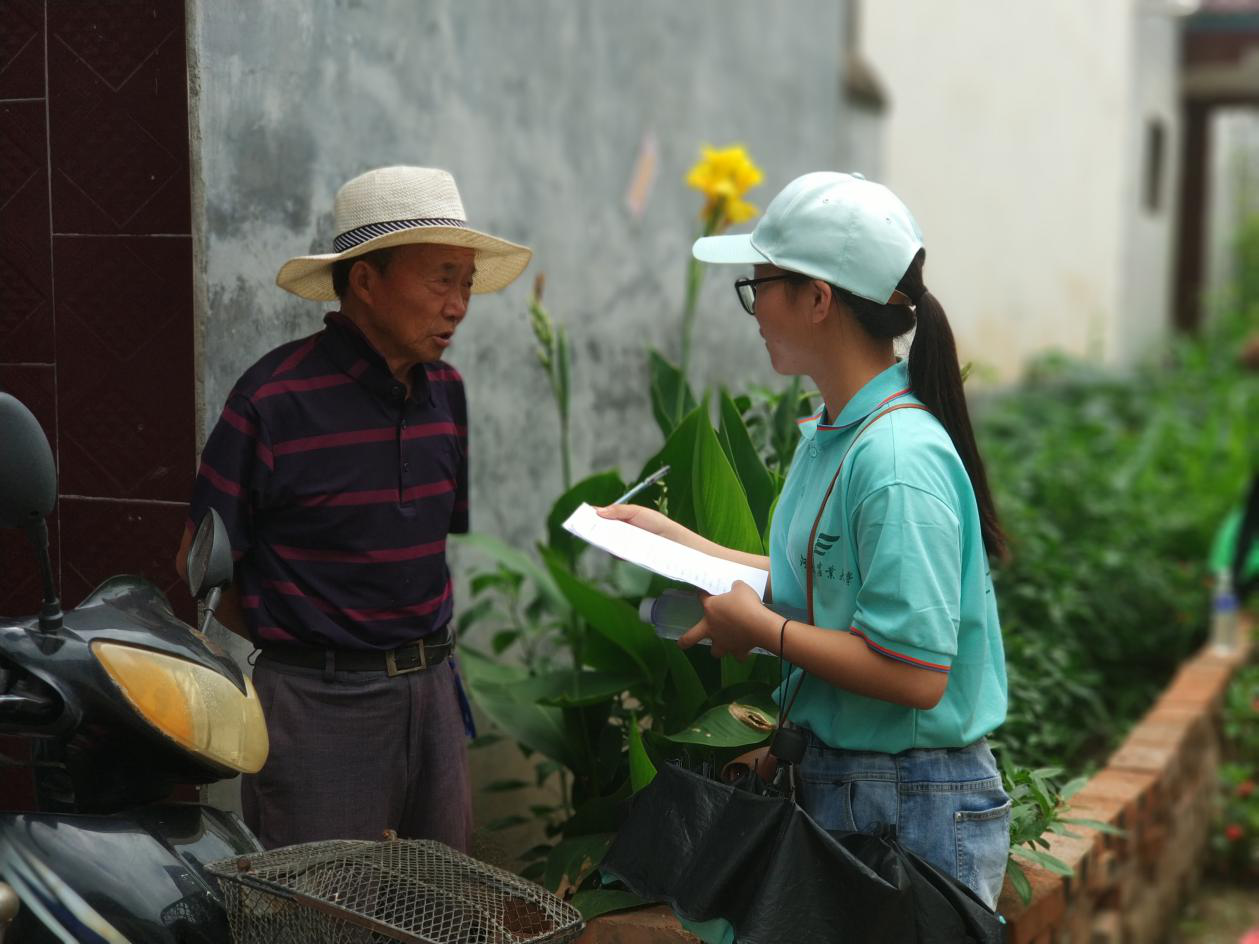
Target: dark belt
{"x":412,"y":657}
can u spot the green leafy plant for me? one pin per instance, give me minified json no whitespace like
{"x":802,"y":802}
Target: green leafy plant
{"x":1241,"y":715}
{"x":587,"y":689}
{"x":553,"y":357}
{"x":1110,"y":488}
{"x":1235,"y":834}
{"x":723,"y":177}
{"x":1038,"y":801}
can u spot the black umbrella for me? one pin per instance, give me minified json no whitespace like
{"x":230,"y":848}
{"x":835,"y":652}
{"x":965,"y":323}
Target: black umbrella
{"x":737,"y":852}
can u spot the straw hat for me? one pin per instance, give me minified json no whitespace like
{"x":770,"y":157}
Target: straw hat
{"x":393,"y":206}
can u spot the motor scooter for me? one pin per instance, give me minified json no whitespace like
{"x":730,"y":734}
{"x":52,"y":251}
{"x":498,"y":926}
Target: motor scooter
{"x":122,"y":701}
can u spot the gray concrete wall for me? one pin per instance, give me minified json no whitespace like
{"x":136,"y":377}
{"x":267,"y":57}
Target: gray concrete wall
{"x":540,"y":110}
{"x":1006,"y":136}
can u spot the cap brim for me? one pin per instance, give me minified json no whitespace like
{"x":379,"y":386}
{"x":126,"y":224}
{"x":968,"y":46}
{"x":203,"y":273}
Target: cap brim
{"x":728,"y":250}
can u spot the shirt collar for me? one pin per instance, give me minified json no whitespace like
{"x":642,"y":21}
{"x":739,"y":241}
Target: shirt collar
{"x":883,"y":388}
{"x":355,"y":355}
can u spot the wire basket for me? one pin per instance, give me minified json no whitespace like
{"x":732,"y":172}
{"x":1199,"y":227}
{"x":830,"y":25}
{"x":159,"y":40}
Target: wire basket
{"x":355,"y":892}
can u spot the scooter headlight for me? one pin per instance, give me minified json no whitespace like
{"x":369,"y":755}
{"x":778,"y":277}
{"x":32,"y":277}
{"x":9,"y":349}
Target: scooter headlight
{"x":194,"y":706}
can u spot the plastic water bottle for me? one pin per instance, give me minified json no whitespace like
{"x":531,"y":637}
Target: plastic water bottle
{"x":675,"y":611}
{"x":1224,"y":613}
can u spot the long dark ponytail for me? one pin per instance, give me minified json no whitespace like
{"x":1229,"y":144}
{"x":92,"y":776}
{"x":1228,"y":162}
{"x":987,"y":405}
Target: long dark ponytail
{"x":935,"y":378}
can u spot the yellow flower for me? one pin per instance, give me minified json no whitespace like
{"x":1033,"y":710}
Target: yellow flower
{"x":723,"y":177}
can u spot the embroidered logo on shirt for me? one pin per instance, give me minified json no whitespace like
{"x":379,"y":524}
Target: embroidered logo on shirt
{"x":824,"y":543}
{"x":827,"y":571}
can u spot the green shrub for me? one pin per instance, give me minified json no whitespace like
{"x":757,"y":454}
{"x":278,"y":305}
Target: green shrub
{"x":1110,"y":488}
{"x":1235,"y":836}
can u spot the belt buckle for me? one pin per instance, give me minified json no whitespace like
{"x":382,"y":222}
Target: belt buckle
{"x":391,"y":661}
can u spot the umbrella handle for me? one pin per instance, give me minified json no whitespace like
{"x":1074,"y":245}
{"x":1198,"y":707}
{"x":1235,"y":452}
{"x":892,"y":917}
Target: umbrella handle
{"x":760,"y":760}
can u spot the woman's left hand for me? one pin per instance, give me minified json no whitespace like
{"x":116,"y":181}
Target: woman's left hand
{"x":734,"y":621}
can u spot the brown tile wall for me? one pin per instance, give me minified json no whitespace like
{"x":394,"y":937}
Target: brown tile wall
{"x":96,"y":320}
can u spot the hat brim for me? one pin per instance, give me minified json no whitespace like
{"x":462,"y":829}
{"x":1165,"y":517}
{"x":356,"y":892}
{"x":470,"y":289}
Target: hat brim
{"x":728,"y":250}
{"x":498,"y":262}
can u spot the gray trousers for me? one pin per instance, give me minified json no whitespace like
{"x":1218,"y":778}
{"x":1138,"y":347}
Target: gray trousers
{"x":359,"y":753}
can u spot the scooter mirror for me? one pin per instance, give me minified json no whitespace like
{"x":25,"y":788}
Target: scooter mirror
{"x":28,"y":476}
{"x":209,"y":557}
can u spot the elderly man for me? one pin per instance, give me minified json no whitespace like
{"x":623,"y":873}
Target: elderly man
{"x":339,"y":466}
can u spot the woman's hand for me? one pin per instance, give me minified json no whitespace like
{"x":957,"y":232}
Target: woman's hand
{"x":646,"y":518}
{"x":651,"y":520}
{"x":736,"y":622}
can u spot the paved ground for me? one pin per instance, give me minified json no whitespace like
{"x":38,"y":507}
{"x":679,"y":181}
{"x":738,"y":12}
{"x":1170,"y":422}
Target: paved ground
{"x":1219,"y":914}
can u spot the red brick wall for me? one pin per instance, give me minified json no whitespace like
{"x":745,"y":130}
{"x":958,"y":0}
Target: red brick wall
{"x":1160,"y":788}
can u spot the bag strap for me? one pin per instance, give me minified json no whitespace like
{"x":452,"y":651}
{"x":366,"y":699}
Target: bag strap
{"x":818,"y":521}
{"x":825,"y":498}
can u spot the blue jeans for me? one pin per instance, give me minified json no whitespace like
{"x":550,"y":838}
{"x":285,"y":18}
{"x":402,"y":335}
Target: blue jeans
{"x":947,"y":804}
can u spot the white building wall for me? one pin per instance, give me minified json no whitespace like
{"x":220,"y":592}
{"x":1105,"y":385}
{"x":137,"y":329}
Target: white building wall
{"x":1232,"y":198}
{"x":1144,"y":312}
{"x":1010,"y":136}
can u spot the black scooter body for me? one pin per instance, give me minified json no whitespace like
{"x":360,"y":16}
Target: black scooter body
{"x":113,"y":758}
{"x":136,"y":862}
{"x":142,"y":870}
{"x":106,"y":854}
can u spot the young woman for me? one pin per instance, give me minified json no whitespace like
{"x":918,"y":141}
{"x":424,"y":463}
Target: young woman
{"x":900,"y":670}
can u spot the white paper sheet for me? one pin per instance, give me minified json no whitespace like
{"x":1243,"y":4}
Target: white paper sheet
{"x":662,"y":556}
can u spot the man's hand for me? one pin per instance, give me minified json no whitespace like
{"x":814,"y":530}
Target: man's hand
{"x":736,"y":622}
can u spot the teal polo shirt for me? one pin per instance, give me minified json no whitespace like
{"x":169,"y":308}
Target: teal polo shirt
{"x":899,"y":562}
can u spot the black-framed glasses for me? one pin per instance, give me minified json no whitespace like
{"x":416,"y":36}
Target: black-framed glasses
{"x":746,"y":289}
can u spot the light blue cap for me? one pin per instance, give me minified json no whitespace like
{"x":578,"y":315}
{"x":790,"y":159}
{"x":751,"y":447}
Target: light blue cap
{"x":840,"y":228}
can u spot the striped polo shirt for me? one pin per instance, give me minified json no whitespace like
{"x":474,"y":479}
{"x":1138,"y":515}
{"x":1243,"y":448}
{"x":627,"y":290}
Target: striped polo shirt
{"x":338,"y":491}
